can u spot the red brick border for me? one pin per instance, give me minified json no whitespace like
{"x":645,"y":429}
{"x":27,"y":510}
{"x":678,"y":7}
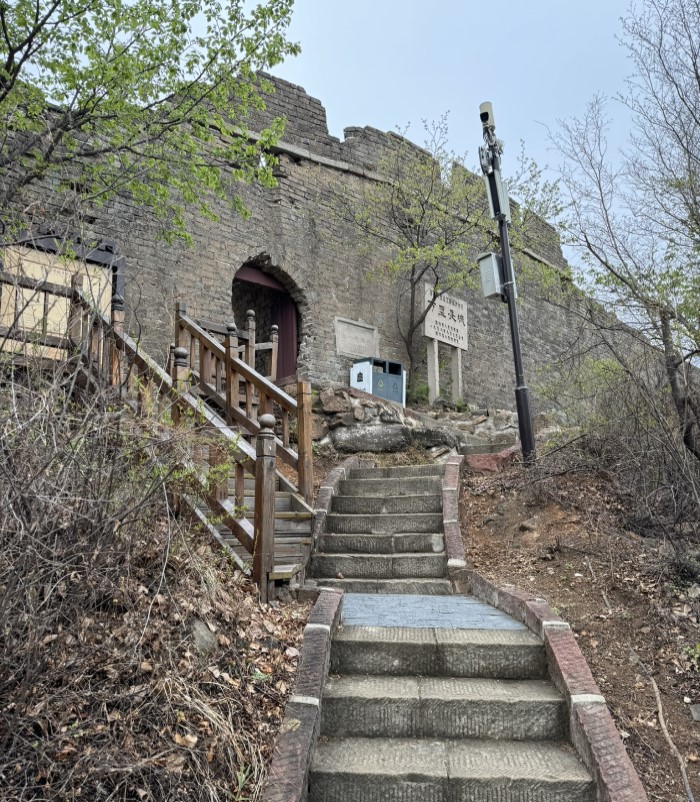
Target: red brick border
{"x":289,"y":772}
{"x":591,"y":726}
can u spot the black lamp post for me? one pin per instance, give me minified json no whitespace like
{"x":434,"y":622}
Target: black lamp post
{"x":490,"y":157}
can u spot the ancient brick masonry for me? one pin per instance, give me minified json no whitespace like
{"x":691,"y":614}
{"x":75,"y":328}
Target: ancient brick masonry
{"x":300,"y":235}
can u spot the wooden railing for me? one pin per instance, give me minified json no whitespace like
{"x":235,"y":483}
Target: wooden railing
{"x":109,"y":353}
{"x":249,"y":349}
{"x":244,"y":395}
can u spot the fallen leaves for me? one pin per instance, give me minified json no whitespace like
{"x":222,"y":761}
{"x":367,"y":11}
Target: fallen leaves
{"x":131,"y":702}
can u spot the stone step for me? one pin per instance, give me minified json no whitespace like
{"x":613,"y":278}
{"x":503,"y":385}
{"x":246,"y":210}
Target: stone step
{"x":384,"y":524}
{"x":379,"y":566}
{"x":427,"y":485}
{"x":400,"y":543}
{"x":396,"y":770}
{"x":442,"y":707}
{"x":377,"y":505}
{"x":398,"y":472}
{"x":429,"y":587}
{"x":437,"y":652}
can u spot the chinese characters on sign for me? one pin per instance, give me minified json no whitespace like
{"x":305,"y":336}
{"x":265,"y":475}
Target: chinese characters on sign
{"x":447,"y":320}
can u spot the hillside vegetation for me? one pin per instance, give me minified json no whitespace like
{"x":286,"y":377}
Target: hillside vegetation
{"x":135,"y":660}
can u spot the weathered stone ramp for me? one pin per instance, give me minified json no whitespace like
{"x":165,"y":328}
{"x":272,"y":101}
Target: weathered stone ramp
{"x":432,"y":697}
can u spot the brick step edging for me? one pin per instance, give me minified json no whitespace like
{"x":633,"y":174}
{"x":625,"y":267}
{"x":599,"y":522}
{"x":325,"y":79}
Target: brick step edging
{"x":592,"y":729}
{"x":288,"y":778}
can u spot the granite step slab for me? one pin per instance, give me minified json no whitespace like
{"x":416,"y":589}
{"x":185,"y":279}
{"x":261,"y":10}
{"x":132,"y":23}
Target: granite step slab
{"x":402,"y":587}
{"x":438,"y":652}
{"x":391,"y":487}
{"x":384,"y":524}
{"x":421,"y":770}
{"x":442,"y":707}
{"x":379,"y":566}
{"x":377,"y":505}
{"x":398,"y":472}
{"x":399,"y":543}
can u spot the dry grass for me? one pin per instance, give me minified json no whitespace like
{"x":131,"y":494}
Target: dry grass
{"x":135,"y":662}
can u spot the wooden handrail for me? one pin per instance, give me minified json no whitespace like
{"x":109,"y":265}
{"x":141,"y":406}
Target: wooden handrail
{"x":212,"y":355}
{"x":270,"y":389}
{"x":109,"y":351}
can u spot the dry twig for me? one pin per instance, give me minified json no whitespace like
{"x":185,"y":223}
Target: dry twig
{"x":662,"y":723}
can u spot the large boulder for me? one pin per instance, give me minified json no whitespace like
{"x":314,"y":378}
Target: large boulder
{"x":379,"y":439}
{"x":430,"y":437}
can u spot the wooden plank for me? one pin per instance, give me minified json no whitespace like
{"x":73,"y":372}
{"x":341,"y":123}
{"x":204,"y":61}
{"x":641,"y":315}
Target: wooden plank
{"x":285,"y":571}
{"x":304,"y":441}
{"x":33,"y":337}
{"x":37,"y":285}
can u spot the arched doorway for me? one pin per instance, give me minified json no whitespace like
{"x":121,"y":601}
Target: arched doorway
{"x":253,"y":287}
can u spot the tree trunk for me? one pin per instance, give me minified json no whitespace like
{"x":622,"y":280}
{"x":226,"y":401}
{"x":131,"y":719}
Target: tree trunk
{"x":681,"y":390}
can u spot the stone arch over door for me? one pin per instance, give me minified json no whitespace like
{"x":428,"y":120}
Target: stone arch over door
{"x":275,"y":298}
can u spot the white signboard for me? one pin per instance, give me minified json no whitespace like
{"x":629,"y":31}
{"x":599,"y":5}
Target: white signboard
{"x":447,"y":320}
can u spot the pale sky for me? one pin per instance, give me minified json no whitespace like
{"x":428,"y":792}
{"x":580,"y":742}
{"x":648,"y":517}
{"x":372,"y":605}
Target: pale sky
{"x":386,"y":63}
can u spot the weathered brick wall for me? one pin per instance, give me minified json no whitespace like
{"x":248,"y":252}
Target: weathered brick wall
{"x":322,"y":261}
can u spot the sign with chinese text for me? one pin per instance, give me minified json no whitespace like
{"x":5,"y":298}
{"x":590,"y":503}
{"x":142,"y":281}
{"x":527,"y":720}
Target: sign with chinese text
{"x":447,"y":320}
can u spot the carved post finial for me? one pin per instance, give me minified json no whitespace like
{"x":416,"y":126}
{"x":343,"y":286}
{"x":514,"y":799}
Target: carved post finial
{"x":231,"y":328}
{"x":267,"y":425}
{"x":180,"y":354}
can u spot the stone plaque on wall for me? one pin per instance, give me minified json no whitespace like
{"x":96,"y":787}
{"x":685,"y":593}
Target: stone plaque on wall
{"x":447,"y":320}
{"x":353,"y":338}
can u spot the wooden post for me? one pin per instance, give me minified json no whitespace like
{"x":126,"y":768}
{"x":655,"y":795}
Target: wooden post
{"x":179,"y":377}
{"x":250,"y":405}
{"x":205,"y":365}
{"x":233,"y":390}
{"x":171,"y":358}
{"x":264,"y":544}
{"x":433,"y":370}
{"x":304,"y":442}
{"x":456,"y":374}
{"x":250,"y":331}
{"x":179,"y":373}
{"x":116,"y":354}
{"x":274,"y":337}
{"x":75,"y":313}
{"x":239,"y":491}
{"x":95,"y":344}
{"x":147,"y":399}
{"x":180,"y":309}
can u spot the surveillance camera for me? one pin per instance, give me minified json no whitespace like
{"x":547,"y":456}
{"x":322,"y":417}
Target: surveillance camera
{"x":486,"y":115}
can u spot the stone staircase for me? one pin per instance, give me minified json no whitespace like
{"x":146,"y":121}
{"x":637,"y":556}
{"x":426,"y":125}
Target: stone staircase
{"x":431,"y":697}
{"x":293,"y":519}
{"x":384,"y":533}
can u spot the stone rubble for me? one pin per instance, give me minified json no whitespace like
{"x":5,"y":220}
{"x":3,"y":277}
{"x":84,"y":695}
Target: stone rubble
{"x":352,"y":421}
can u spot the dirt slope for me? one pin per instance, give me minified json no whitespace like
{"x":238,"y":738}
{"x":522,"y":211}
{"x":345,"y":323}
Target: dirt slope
{"x":563,"y":537}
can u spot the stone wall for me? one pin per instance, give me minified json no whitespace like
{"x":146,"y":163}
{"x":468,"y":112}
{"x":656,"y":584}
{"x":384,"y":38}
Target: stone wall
{"x":298,"y":232}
